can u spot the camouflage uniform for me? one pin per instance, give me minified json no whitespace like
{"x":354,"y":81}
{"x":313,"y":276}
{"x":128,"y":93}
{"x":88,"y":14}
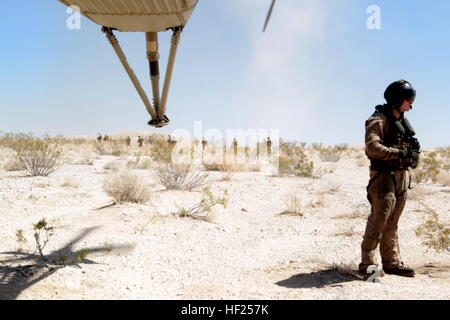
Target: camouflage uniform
{"x":140,"y":141}
{"x":386,"y":193}
{"x":235,"y":147}
{"x":269,"y":147}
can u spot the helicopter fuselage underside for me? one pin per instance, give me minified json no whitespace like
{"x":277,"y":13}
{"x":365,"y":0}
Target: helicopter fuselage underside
{"x":136,"y":15}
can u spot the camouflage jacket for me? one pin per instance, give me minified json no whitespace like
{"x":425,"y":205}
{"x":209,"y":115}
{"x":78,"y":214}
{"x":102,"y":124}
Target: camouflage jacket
{"x":377,"y":133}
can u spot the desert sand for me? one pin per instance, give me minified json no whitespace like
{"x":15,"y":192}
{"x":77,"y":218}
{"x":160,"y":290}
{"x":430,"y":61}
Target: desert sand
{"x":248,"y":250}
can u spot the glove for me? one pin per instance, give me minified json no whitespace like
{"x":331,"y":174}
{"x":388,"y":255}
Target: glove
{"x":415,"y":144}
{"x":408,"y":153}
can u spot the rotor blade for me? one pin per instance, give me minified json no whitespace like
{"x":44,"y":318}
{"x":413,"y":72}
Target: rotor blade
{"x":269,"y":15}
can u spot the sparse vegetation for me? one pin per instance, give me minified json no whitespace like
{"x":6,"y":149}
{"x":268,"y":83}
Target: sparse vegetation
{"x":82,"y":254}
{"x":358,"y":212}
{"x":14,"y":140}
{"x":42,"y":234}
{"x":348,"y":233}
{"x":319,"y":200}
{"x":428,"y":168}
{"x":203,"y":210}
{"x":39,"y":157}
{"x":108,"y":148}
{"x":180,"y":177}
{"x":293,"y":159}
{"x":434,"y":234}
{"x":316,"y":146}
{"x":126,"y":186}
{"x":293,"y":204}
{"x":161,"y":151}
{"x":139,"y":163}
{"x":330,"y":154}
{"x":226,"y":176}
{"x":233,"y":167}
{"x":20,"y":238}
{"x":13,"y":165}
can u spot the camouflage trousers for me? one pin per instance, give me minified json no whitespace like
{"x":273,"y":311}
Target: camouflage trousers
{"x":387,"y":196}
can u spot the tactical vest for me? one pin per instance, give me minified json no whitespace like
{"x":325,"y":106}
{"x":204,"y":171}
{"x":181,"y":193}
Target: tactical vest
{"x":398,"y":136}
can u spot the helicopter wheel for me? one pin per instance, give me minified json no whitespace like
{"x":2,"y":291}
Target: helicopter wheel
{"x":158,"y":123}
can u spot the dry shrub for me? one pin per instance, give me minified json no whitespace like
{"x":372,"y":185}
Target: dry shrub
{"x":357,"y":213}
{"x":444,"y":178}
{"x":108,"y":148}
{"x":319,"y":200}
{"x":293,"y":204}
{"x":434,"y":234}
{"x":126,"y":186}
{"x":39,"y":157}
{"x":234,"y":167}
{"x":13,"y":165}
{"x":139,"y":163}
{"x":330,"y":154}
{"x":226,"y":176}
{"x":161,"y":150}
{"x":215,"y":166}
{"x":316,"y":146}
{"x":179,"y":177}
{"x":348,"y":233}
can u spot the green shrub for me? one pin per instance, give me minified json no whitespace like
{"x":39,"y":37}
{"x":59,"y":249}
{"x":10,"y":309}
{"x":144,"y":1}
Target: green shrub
{"x":434,"y":234}
{"x":42,"y":234}
{"x":428,"y":168}
{"x":203,"y":210}
{"x":293,"y":159}
{"x":14,"y":140}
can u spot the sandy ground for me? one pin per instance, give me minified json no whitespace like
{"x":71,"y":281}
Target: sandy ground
{"x":248,"y":251}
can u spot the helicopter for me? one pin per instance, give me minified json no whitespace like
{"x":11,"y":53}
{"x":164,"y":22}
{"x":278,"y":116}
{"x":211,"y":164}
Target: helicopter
{"x":150,"y":17}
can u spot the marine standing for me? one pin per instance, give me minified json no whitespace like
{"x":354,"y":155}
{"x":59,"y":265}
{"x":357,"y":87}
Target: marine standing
{"x":392,"y":150}
{"x":140,"y":141}
{"x":269,"y":147}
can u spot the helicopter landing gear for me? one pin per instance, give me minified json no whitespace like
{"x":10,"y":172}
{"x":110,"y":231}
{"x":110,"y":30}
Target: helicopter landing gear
{"x":157,"y":123}
{"x":159,"y":119}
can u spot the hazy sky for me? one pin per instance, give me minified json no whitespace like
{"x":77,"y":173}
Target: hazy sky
{"x":316,"y":74}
